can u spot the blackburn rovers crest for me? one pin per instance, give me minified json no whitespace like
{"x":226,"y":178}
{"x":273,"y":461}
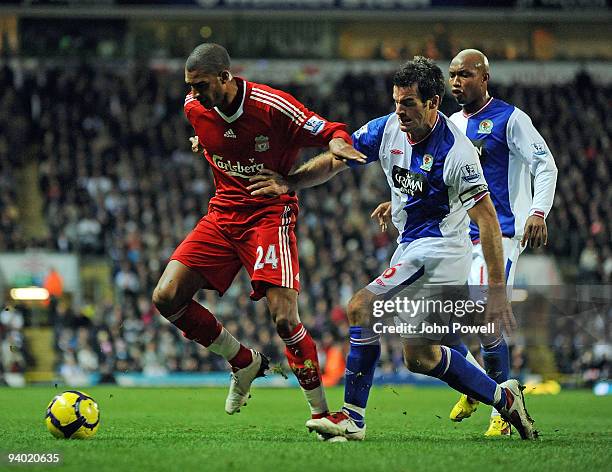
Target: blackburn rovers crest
{"x":427,"y":162}
{"x":262,"y":143}
{"x":485,"y":127}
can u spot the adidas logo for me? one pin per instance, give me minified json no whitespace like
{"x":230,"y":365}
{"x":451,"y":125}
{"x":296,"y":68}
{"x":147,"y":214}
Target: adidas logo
{"x":229,"y":134}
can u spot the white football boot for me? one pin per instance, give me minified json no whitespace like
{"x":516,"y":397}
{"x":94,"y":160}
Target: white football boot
{"x":337,"y":424}
{"x":241,"y":381}
{"x":515,"y":411}
{"x":330,"y":438}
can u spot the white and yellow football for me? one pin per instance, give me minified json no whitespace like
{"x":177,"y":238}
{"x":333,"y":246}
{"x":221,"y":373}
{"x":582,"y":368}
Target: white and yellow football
{"x":73,"y":414}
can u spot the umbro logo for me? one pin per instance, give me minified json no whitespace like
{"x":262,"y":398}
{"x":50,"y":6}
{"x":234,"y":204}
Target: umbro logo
{"x":229,"y":134}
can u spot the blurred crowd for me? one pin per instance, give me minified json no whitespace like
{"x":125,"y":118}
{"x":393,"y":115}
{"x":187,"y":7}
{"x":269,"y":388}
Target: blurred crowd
{"x":14,"y":351}
{"x":119,"y":181}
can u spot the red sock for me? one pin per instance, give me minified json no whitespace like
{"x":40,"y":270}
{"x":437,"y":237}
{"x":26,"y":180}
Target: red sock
{"x":301,"y":352}
{"x":197,"y":323}
{"x":242,"y":359}
{"x":201,"y":326}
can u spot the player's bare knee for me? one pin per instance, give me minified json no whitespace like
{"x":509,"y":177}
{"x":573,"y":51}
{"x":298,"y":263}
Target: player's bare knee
{"x":282,"y":304}
{"x":176,"y":287}
{"x":164,"y":299}
{"x":413,"y":365}
{"x":421,"y":359}
{"x":285,"y":317}
{"x":418,"y":365}
{"x":280,"y":308}
{"x":359,"y":308}
{"x":285,"y":327}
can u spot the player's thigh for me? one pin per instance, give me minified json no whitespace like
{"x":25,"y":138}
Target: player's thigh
{"x":447,"y":261}
{"x":405,"y":269}
{"x":282,"y":302}
{"x":431,"y":261}
{"x":210,"y":253}
{"x":425,"y":276}
{"x":269,"y":252}
{"x":401,"y":280}
{"x":360,"y":309}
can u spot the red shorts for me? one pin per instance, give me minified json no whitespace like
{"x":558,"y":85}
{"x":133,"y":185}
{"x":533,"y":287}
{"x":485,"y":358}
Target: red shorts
{"x":263,"y":241}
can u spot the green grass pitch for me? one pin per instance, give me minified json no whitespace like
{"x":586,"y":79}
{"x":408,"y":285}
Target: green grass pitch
{"x":182,"y":429}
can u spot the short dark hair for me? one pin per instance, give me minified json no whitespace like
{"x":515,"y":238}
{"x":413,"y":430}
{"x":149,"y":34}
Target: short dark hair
{"x":423,"y":72}
{"x":208,"y":57}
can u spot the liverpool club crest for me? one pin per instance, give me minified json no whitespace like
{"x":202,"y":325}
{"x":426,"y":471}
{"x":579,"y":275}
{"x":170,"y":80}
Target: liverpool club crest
{"x":262,"y":143}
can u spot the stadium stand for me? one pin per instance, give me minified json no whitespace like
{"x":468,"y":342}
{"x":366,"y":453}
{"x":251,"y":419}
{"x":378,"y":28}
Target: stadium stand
{"x":118,"y":181}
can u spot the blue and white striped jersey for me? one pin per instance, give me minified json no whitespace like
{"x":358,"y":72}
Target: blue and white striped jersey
{"x":511,"y":150}
{"x":433,"y":182}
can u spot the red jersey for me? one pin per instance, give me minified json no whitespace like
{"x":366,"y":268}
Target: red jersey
{"x":268,"y":131}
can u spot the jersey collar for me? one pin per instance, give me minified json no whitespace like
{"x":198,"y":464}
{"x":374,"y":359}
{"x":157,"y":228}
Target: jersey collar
{"x":414,"y":143}
{"x":469,"y":115}
{"x":238,"y":114}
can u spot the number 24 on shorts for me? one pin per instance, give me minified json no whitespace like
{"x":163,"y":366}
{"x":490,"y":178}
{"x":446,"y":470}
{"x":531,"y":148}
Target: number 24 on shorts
{"x":269,"y":259}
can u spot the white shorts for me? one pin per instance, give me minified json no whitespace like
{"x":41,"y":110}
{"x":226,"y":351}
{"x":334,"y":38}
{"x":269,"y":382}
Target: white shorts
{"x":478,"y":271}
{"x":417,"y":268}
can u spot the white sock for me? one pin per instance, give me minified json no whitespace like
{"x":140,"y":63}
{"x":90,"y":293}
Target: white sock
{"x":355,"y":412}
{"x":316,"y":400}
{"x":472,"y":360}
{"x":226,"y":345}
{"x":497,"y":396}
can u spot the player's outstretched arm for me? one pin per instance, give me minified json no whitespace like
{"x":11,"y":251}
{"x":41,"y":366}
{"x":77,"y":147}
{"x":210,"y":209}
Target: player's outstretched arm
{"x":346,"y":153}
{"x":310,"y":174}
{"x":498,"y":309}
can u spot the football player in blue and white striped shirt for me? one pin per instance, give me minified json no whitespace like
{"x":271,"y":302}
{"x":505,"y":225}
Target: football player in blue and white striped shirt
{"x":512,"y":153}
{"x":436,"y":185}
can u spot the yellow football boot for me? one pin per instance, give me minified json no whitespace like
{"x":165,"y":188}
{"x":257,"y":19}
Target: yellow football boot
{"x":463,"y":408}
{"x":498,"y":427}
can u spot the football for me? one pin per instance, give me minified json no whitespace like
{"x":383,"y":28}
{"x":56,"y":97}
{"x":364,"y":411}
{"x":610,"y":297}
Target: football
{"x":73,"y":414}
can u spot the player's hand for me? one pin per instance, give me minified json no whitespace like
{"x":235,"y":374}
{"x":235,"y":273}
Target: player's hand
{"x":346,"y":153}
{"x":535,"y":232}
{"x":195,"y":144}
{"x":383,"y":213}
{"x":499,"y":310}
{"x":268,"y":182}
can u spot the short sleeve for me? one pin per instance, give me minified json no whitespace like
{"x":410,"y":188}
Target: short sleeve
{"x":190,"y":105}
{"x":299,"y":125}
{"x":463,"y":173}
{"x":368,"y":139}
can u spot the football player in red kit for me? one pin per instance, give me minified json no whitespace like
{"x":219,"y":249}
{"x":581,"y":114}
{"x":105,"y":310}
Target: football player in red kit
{"x":244,"y":127}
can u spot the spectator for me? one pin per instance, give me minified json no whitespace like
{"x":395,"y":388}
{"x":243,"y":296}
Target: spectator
{"x":119,"y":181}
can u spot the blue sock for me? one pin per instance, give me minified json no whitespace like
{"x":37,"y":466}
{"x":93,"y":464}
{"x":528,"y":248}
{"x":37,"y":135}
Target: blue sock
{"x":459,"y":374}
{"x":460,"y":348}
{"x":496,"y":359}
{"x":360,"y":366}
